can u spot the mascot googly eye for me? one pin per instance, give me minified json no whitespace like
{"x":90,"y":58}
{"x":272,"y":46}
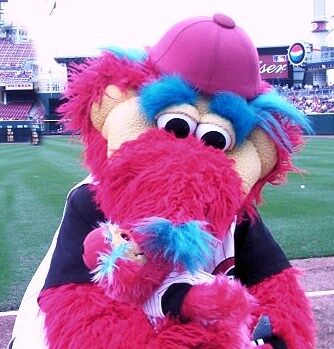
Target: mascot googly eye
{"x":162,"y":246}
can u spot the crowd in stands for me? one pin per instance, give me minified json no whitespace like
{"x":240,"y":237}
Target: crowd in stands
{"x":310,"y":99}
{"x":13,"y":56}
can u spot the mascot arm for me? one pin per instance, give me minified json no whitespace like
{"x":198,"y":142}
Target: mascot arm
{"x":77,"y":312}
{"x":263,"y":268}
{"x":80,"y":316}
{"x":67,"y":287}
{"x":192,"y":298}
{"x":283,"y":300}
{"x":208,"y":302}
{"x":269,"y":278}
{"x":80,"y":217}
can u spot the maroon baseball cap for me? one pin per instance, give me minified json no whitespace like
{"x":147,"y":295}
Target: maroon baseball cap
{"x":212,"y":54}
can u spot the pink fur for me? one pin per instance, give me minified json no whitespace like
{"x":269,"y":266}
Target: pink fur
{"x":130,"y":282}
{"x":151,"y":177}
{"x":282,"y":298}
{"x":94,"y":245}
{"x":87,"y":82}
{"x":215,"y":301}
{"x":81,"y":316}
{"x":223,"y":304}
{"x":135,"y":283}
{"x":86,"y":85}
{"x":96,"y":321}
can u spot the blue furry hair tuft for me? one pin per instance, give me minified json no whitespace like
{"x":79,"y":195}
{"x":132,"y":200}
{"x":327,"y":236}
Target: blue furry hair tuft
{"x":267,"y":105}
{"x":186,"y":245}
{"x":167,"y":91}
{"x":131,"y":54}
{"x":107,"y":262}
{"x":235,"y":109}
{"x":261,"y":112}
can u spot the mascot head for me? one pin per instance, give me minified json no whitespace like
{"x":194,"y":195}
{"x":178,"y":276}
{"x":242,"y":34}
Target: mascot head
{"x":183,"y":131}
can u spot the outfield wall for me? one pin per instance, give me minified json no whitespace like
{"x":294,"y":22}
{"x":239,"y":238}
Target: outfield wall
{"x":323,"y":124}
{"x":13,"y":131}
{"x":23,"y":130}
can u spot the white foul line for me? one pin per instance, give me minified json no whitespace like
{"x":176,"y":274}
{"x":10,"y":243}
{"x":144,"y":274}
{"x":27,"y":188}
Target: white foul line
{"x":310,"y":294}
{"x":320,"y":293}
{"x":8,"y":313}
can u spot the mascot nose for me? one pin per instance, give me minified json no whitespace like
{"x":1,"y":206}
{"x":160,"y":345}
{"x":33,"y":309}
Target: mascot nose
{"x":160,"y":175}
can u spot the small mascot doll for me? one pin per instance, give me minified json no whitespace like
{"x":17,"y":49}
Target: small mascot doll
{"x":162,"y":245}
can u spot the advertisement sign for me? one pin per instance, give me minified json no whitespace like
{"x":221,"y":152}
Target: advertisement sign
{"x":297,"y":53}
{"x":19,"y":86}
{"x":274,"y":67}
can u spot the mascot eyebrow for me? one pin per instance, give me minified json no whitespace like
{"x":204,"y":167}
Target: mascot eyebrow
{"x":261,"y":112}
{"x":165,"y":92}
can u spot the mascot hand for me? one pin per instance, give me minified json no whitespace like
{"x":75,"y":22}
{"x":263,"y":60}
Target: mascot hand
{"x":222,"y":302}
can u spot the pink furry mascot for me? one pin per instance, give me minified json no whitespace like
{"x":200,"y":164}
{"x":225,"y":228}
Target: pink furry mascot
{"x":163,"y":246}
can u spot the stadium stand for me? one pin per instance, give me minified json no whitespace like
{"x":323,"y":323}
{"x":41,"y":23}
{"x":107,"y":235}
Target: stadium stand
{"x":15,"y":111}
{"x":16,"y":78}
{"x":13,"y":55}
{"x":21,"y":113}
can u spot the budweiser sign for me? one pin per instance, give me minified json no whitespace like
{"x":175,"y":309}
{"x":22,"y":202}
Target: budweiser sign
{"x":274,"y":67}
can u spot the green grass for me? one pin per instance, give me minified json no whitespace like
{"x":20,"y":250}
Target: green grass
{"x":34,"y":182}
{"x":302,"y":219}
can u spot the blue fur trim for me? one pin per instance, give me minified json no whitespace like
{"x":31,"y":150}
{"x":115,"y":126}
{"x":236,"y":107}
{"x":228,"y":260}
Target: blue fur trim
{"x":131,"y":54}
{"x":269,"y":104}
{"x":259,"y":113}
{"x":107,"y":262}
{"x":235,"y":109}
{"x":186,"y":245}
{"x":160,"y":94}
